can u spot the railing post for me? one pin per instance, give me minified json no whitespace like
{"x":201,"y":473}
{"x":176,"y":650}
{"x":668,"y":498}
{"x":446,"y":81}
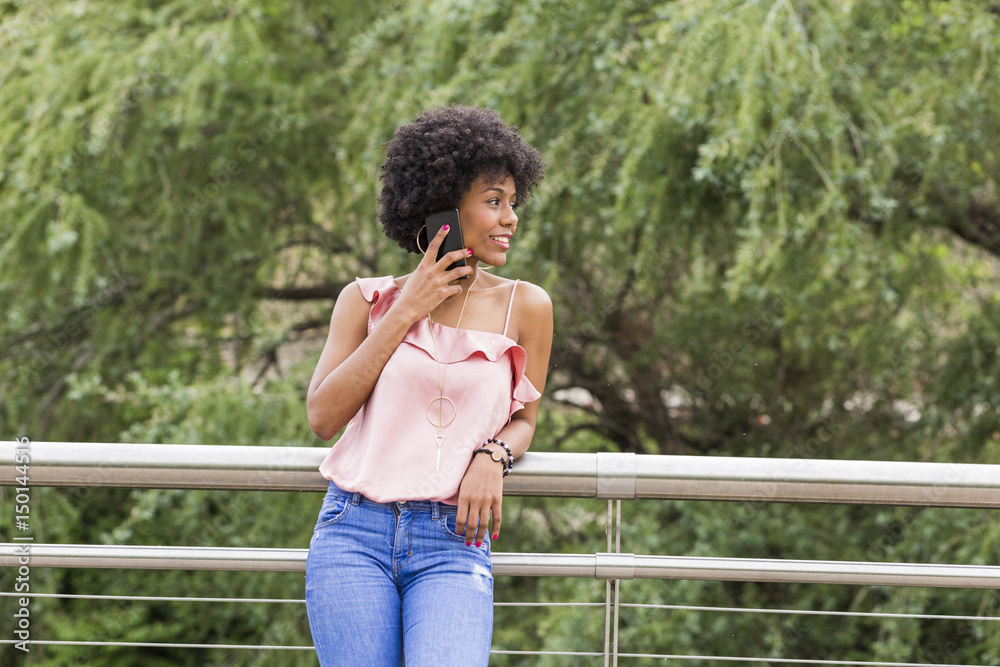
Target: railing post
{"x":616,"y":479}
{"x":618,"y":548}
{"x":613,"y":566}
{"x":607,"y":598}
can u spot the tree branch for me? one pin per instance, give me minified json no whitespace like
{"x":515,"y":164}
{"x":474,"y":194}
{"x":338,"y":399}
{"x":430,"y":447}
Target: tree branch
{"x":980,"y":226}
{"x":331,"y":291}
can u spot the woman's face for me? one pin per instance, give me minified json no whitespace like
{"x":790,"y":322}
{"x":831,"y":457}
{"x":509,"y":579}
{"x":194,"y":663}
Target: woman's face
{"x":488,"y":219}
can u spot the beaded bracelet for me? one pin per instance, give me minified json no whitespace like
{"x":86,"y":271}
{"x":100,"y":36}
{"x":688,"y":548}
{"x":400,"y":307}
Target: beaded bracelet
{"x":510,"y":457}
{"x":503,"y":464}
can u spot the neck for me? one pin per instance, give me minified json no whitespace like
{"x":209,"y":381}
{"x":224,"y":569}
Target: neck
{"x":473,"y":277}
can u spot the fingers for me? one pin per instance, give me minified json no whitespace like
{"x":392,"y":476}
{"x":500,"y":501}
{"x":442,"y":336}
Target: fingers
{"x":470,"y":530}
{"x":496,"y":521}
{"x":435,"y":243}
{"x":460,"y":521}
{"x":467,"y":523}
{"x":479,"y":496}
{"x":430,"y":257}
{"x":472,"y":523}
{"x":475,"y":531}
{"x":450,"y":258}
{"x":432,"y":282}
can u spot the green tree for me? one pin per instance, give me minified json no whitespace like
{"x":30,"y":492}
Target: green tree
{"x":767,"y":228}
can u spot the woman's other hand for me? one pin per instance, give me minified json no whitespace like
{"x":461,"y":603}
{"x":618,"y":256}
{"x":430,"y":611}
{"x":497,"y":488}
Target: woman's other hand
{"x":479,"y":496}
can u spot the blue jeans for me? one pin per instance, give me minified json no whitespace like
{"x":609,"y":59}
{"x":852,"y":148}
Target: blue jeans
{"x":388,"y":580}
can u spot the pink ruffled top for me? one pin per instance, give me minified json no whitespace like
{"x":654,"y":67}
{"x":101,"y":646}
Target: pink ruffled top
{"x":388,"y":450}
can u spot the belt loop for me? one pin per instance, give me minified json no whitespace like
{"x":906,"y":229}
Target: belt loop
{"x":356,"y":498}
{"x":435,"y":512}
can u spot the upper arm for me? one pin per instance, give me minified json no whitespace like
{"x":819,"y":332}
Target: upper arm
{"x":534,"y":313}
{"x":348,"y":329}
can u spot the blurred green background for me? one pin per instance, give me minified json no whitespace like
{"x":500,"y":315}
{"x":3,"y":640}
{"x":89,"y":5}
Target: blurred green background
{"x":768,"y":229}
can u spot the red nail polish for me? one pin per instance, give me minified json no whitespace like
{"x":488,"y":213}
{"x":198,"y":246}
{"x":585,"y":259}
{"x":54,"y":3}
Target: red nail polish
{"x":468,"y":544}
{"x":470,"y":251}
{"x":479,"y":544}
{"x":446,"y":227}
{"x":496,"y":536}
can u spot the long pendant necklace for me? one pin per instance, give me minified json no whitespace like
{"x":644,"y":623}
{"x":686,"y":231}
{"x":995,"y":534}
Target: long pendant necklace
{"x":441,"y":398}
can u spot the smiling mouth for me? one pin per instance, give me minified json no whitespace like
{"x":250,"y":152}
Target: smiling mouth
{"x":502,"y":240}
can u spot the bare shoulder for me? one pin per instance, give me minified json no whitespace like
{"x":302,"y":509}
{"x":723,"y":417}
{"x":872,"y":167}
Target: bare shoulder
{"x":351,"y":309}
{"x":351,"y":297}
{"x":532,"y":314}
{"x":532,"y":300}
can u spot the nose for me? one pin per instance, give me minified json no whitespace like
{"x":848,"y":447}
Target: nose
{"x":510,"y":217}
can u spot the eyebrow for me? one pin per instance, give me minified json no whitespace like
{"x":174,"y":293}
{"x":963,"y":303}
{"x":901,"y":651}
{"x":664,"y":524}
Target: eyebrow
{"x":500,"y":190}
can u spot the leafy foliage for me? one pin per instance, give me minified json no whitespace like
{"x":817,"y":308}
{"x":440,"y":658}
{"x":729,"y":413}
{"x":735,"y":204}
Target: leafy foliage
{"x":769,"y":229}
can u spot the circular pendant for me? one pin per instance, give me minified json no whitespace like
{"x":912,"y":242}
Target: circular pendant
{"x":440,"y":423}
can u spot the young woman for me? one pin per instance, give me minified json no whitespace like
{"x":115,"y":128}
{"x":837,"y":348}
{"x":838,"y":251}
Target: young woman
{"x":437,"y":375}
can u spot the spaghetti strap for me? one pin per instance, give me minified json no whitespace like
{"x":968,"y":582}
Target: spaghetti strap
{"x":510,"y":306}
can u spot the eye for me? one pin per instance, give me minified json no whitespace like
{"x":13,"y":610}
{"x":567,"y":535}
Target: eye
{"x":494,"y":201}
{"x":513,"y":206}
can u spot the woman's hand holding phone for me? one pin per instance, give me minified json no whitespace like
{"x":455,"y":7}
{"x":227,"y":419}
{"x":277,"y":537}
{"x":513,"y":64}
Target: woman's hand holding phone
{"x":431,"y":282}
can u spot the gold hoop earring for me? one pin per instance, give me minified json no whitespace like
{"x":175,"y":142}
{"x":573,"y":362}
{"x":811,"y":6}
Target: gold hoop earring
{"x":422,"y":250}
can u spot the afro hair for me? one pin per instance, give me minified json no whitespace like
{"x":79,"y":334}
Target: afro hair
{"x":432,"y":161}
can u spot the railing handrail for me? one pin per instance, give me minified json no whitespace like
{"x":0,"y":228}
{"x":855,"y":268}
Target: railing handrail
{"x":593,"y":566}
{"x":609,"y":475}
{"x":612,"y":476}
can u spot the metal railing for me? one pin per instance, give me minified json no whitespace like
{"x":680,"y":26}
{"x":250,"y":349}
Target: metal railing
{"x":611,"y":476}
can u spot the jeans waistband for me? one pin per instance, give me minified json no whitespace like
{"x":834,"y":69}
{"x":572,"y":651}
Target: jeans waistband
{"x":433,"y":506}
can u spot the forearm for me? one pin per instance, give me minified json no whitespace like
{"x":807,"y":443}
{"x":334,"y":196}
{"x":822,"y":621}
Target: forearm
{"x":517,"y":434}
{"x":345,"y":389}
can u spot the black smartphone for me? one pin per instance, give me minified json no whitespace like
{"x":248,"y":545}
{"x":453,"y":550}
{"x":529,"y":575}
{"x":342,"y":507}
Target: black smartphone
{"x":453,"y":241}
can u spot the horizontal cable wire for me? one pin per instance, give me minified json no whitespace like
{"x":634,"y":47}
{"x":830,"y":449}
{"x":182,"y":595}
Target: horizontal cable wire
{"x":661,"y":656}
{"x":673,"y":607}
{"x":143,"y":598}
{"x":163,"y":598}
{"x":582,"y":654}
{"x":548,"y":604}
{"x":795,"y":661}
{"x":54,"y":642}
{"x":812,"y":612}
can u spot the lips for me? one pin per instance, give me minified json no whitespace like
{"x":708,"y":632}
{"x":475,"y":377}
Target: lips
{"x":503,"y":240}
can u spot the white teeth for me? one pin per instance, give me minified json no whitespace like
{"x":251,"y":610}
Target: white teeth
{"x":502,"y":239}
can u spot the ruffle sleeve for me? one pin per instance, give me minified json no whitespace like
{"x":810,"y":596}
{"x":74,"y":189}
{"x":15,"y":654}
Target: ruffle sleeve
{"x":523,"y":391}
{"x":380,"y":292}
